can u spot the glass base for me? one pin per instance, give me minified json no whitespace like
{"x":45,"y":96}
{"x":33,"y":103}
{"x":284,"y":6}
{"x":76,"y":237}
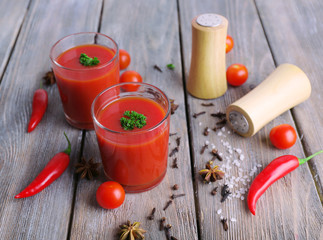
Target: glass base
{"x":82,"y":125}
{"x":140,"y":188}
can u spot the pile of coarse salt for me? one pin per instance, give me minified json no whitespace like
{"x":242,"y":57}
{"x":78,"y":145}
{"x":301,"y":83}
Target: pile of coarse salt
{"x":233,"y":161}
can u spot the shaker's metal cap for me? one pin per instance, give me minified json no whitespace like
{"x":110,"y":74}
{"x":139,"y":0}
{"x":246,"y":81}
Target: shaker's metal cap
{"x":209,"y":20}
{"x":238,"y":122}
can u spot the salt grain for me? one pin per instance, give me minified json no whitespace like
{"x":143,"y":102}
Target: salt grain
{"x":219,"y":211}
{"x":242,"y":198}
{"x":200,"y":124}
{"x":233,"y":219}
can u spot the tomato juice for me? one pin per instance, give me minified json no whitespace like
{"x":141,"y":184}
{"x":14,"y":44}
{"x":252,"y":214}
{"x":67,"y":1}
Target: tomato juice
{"x":78,"y":84}
{"x":137,"y":158}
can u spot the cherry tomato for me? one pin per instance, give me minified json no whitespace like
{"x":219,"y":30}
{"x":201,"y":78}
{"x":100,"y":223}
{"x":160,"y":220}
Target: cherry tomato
{"x":124,"y":59}
{"x":229,"y":44}
{"x":130,"y":77}
{"x":237,"y":74}
{"x":110,"y":195}
{"x":283,"y":136}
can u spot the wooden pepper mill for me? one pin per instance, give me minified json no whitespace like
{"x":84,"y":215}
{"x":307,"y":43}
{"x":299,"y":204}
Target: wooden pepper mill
{"x":207,"y":76}
{"x":283,"y":89}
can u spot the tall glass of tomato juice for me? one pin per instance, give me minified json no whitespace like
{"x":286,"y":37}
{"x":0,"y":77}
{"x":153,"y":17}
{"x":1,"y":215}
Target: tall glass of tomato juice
{"x":136,"y":158}
{"x":78,"y":85}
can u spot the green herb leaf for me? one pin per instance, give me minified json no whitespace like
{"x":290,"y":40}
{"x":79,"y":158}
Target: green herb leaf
{"x":171,"y":66}
{"x":132,"y":119}
{"x":87,"y":61}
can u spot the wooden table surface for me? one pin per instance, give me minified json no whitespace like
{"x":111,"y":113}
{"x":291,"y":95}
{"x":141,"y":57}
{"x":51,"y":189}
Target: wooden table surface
{"x":158,"y":32}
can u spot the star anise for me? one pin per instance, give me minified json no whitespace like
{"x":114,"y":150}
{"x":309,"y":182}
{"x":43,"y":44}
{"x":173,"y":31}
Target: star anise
{"x":88,"y":169}
{"x":131,"y":231}
{"x":211,"y":174}
{"x":49,"y":78}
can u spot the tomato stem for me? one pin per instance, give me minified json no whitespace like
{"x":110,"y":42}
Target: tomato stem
{"x":304,"y":160}
{"x":68,"y":149}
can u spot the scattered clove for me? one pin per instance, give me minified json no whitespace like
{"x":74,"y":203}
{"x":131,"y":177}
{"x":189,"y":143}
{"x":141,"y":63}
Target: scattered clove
{"x":207,"y":104}
{"x":175,"y":150}
{"x":152,"y":215}
{"x":174,"y":165}
{"x":195,"y":115}
{"x":216,"y":154}
{"x":177,"y":195}
{"x":173,"y":238}
{"x":162,"y":223}
{"x":172,"y":134}
{"x":214,"y":191}
{"x":204,"y":148}
{"x":49,"y":78}
{"x":178,"y":141}
{"x":168,"y":204}
{"x":206,"y":131}
{"x":167,"y":231}
{"x":225,"y":192}
{"x":175,"y":187}
{"x":157,"y":68}
{"x":222,"y":122}
{"x":173,"y":106}
{"x":218,"y":115}
{"x":224,"y":222}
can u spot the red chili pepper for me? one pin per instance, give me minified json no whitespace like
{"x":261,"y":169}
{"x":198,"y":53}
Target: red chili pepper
{"x":40,"y":101}
{"x":55,"y":167}
{"x":277,"y":169}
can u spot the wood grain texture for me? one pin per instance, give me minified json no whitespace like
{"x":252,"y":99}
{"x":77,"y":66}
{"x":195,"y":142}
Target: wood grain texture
{"x":148,"y":30}
{"x":290,"y":209}
{"x":12,"y":15}
{"x":301,"y":22}
{"x":22,"y":155}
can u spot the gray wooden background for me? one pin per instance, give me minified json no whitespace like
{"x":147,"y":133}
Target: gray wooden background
{"x":158,"y":32}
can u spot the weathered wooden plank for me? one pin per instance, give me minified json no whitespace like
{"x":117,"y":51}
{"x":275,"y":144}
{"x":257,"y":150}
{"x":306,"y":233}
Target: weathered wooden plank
{"x":290,"y":208}
{"x":301,"y":22}
{"x":12,"y":15}
{"x":22,"y":155}
{"x":149,"y":31}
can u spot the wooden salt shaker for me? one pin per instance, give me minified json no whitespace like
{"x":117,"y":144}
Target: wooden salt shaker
{"x":207,"y":76}
{"x":283,"y":89}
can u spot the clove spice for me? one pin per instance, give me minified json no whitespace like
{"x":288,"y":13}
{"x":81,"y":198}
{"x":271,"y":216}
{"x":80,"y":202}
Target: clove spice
{"x":172,"y":134}
{"x":175,"y":150}
{"x":216,"y":154}
{"x":207,"y":104}
{"x":174,"y":165}
{"x":177,"y":195}
{"x":225,"y":192}
{"x":173,"y":106}
{"x":168,"y":204}
{"x":195,"y":115}
{"x":204,"y":148}
{"x":167,"y":231}
{"x":178,"y":141}
{"x":206,"y":131}
{"x":224,"y":222}
{"x":157,"y":68}
{"x":162,"y":223}
{"x":152,"y":215}
{"x":214,"y":191}
{"x":222,"y":122}
{"x":218,"y":115}
{"x":175,"y":187}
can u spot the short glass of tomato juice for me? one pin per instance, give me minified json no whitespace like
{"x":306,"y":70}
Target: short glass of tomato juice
{"x":137,"y":158}
{"x":79,"y":84}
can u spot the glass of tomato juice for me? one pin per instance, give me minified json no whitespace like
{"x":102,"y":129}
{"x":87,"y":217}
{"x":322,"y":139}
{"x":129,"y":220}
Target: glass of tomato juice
{"x":137,"y":158}
{"x":78,"y":85}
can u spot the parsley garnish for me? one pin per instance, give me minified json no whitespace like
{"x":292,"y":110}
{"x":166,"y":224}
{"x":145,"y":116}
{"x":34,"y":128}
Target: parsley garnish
{"x":132,"y":119}
{"x":171,"y":66}
{"x":87,"y":61}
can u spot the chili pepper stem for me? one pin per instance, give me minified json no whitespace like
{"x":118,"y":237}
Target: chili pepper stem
{"x":68,"y":149}
{"x":304,"y":160}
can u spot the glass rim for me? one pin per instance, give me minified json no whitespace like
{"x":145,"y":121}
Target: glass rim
{"x":86,"y":69}
{"x":96,"y":121}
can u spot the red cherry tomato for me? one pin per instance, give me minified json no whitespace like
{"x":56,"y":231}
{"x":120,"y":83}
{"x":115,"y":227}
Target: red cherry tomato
{"x":237,"y":74}
{"x":110,"y":195}
{"x":283,"y":136}
{"x":130,"y":77}
{"x":229,"y":44}
{"x":124,"y":59}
